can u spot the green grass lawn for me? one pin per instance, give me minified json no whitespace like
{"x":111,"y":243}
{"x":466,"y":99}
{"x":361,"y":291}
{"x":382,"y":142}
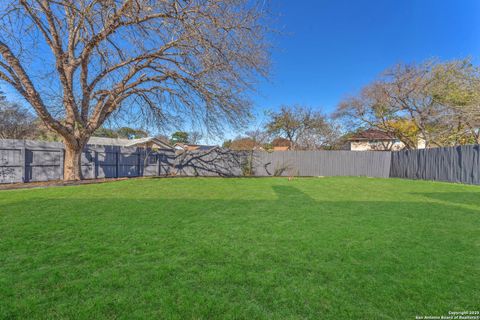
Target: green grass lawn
{"x":317,"y":248}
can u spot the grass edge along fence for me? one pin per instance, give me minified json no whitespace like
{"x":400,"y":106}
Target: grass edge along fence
{"x":28,"y":161}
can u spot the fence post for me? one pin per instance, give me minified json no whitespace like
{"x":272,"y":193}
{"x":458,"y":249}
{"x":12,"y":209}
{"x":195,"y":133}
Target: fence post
{"x":23,"y":162}
{"x":62,"y":163}
{"x":95,"y":164}
{"x":117,"y":153}
{"x":139,"y":155}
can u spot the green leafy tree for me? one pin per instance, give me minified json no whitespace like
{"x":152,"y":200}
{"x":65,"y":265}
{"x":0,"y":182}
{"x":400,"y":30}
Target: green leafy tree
{"x":130,"y":133}
{"x":179,"y":137}
{"x":227,"y":143}
{"x":105,"y":133}
{"x":123,"y":132}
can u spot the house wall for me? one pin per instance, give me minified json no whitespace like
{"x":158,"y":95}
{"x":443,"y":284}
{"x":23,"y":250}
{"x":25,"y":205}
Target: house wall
{"x":421,"y":144}
{"x":380,"y":145}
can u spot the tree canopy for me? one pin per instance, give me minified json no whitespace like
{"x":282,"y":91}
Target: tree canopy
{"x":179,"y":137}
{"x":303,"y":127}
{"x":437,"y":103}
{"x":123,"y":132}
{"x":16,"y":121}
{"x":77,"y":63}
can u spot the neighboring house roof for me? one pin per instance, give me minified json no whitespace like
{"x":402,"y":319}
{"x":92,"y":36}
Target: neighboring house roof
{"x":245,"y":144}
{"x":189,"y":147}
{"x":281,"y":142}
{"x":371,"y":134}
{"x":281,"y":148}
{"x":128,"y":142}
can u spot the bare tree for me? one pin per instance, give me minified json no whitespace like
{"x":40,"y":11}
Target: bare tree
{"x":16,"y":121}
{"x":408,"y":88}
{"x":252,"y":140}
{"x":243,"y":143}
{"x":373,"y":108}
{"x":434,"y":102}
{"x":194,"y":137}
{"x":258,"y":136}
{"x":160,"y":57}
{"x":457,"y":88}
{"x":303,"y":127}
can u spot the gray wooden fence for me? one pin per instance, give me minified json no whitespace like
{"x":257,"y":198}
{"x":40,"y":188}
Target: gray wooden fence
{"x":453,"y":164}
{"x":25,"y":161}
{"x":323,"y":163}
{"x":224,"y":162}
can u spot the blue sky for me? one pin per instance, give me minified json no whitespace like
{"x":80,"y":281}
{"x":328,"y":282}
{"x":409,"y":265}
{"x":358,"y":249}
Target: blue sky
{"x":333,"y":48}
{"x":329,"y":49}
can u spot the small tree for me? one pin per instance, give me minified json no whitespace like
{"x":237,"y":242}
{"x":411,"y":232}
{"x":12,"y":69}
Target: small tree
{"x":301,"y":126}
{"x":243,"y":143}
{"x":130,"y":133}
{"x":105,"y":133}
{"x":280,"y":142}
{"x":227,"y":143}
{"x":16,"y":121}
{"x":253,"y":140}
{"x":194,"y":137}
{"x":179,"y":137}
{"x":123,"y":132}
{"x":78,"y":62}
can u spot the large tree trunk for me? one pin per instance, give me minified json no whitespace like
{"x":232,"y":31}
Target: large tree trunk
{"x":72,"y":162}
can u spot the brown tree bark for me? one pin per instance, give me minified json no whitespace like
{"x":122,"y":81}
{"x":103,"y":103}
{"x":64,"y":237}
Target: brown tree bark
{"x":72,"y":160}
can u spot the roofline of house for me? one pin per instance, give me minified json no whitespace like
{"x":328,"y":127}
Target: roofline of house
{"x":369,"y":139}
{"x":131,"y":142}
{"x":147,"y":140}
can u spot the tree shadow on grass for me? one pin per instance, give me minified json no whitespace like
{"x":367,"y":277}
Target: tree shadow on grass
{"x":288,"y":194}
{"x":468,"y":198}
{"x":263,"y":254}
{"x":290,"y":201}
